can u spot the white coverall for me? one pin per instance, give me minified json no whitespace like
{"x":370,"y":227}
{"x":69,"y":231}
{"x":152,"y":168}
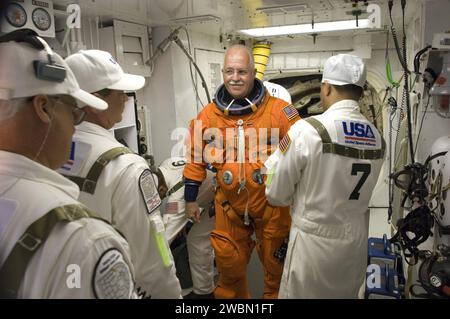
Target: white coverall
{"x":201,"y":255}
{"x":327,"y":250}
{"x":28,"y":191}
{"x":118,"y":199}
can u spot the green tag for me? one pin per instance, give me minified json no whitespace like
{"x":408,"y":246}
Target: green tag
{"x":161,"y":243}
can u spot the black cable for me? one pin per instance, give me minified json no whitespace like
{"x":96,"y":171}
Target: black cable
{"x":406,"y":86}
{"x":394,"y":111}
{"x":417,"y":59}
{"x":391,"y":183}
{"x":393,"y":106}
{"x":421,"y":123}
{"x":401,"y":58}
{"x":403,"y":3}
{"x":412,"y":231}
{"x":390,"y":5}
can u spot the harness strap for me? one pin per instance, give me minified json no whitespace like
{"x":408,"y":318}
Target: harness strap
{"x":89,"y":183}
{"x":15,"y":265}
{"x":329,"y":147}
{"x":176,"y":187}
{"x":237,"y":219}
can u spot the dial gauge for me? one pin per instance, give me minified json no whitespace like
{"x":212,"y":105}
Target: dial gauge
{"x":15,"y":15}
{"x":41,"y":19}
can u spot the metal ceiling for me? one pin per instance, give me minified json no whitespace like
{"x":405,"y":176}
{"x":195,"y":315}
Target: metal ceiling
{"x":228,"y":16}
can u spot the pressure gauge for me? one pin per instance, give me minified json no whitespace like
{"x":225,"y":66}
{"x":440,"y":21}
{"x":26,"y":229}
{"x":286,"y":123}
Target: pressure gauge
{"x":41,"y":19}
{"x":15,"y":14}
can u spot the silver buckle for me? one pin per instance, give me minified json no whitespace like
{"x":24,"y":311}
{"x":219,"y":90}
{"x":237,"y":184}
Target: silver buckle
{"x":29,"y":242}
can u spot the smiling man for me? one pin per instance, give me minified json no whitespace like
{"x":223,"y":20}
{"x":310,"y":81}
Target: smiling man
{"x":242,"y":106}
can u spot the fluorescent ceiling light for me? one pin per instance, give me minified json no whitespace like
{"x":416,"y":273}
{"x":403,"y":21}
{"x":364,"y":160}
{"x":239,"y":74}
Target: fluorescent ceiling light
{"x":307,"y":28}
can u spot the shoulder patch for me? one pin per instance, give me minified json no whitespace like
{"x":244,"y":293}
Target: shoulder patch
{"x":284,"y":143}
{"x":357,"y":134}
{"x":149,"y":191}
{"x":112,"y":277}
{"x":79,"y":153}
{"x":290,"y":112}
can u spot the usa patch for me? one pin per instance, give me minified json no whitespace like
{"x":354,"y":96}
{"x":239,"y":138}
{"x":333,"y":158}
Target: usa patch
{"x":284,"y":143}
{"x":357,"y":134}
{"x":79,"y":153}
{"x":290,"y":112}
{"x":172,"y":208}
{"x":149,"y":191}
{"x":69,"y":164}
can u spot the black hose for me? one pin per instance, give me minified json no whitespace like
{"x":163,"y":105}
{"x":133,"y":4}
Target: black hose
{"x":417,"y":58}
{"x":401,"y":58}
{"x":406,"y":90}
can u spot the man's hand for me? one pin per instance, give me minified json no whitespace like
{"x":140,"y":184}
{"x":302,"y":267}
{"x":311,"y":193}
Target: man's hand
{"x":192,"y":211}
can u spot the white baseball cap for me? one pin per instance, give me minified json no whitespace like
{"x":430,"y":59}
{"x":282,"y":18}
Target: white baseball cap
{"x":18,"y":79}
{"x":96,"y":70}
{"x":343,"y":69}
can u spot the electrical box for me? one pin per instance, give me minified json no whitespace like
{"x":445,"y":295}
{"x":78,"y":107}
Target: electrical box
{"x":441,"y":41}
{"x":145,"y":142}
{"x":128,"y":43}
{"x":30,"y":14}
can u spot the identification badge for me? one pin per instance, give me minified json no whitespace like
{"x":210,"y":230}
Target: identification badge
{"x":149,"y":191}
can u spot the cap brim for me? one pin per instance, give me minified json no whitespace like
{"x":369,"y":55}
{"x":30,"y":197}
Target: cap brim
{"x":84,"y":98}
{"x":339,"y":83}
{"x":128,"y":82}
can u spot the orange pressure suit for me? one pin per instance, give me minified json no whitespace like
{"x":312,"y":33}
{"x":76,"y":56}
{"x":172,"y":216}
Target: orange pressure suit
{"x":240,"y":189}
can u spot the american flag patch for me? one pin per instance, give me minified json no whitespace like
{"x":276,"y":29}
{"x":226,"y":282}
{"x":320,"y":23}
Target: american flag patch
{"x":284,"y":143}
{"x":69,"y":164}
{"x":290,"y":112}
{"x":172,"y":208}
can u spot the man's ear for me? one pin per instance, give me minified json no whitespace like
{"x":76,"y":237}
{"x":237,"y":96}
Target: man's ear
{"x":91,"y":110}
{"x":43,"y":107}
{"x":327,"y":88}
